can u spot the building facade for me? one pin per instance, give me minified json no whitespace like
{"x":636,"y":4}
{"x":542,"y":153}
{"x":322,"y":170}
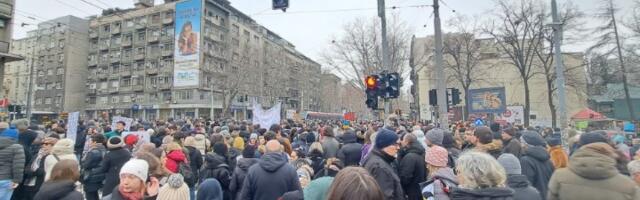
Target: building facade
{"x":16,"y":79}
{"x":495,"y":70}
{"x":7,"y":9}
{"x":192,"y":58}
{"x":331,"y":90}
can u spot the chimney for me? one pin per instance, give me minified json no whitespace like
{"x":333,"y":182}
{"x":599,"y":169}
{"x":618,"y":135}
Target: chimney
{"x":140,"y":4}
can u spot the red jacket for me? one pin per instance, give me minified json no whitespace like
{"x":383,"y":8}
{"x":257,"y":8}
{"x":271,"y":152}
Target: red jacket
{"x":174,"y":158}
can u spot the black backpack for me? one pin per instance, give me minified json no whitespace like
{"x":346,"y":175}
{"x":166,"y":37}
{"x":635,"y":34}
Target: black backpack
{"x":185,"y":170}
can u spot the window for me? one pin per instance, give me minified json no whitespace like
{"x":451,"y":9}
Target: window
{"x":235,"y":29}
{"x":91,"y":100}
{"x":166,"y":96}
{"x":153,"y":97}
{"x":115,"y":83}
{"x":49,"y":71}
{"x":126,"y":82}
{"x":60,"y":57}
{"x":166,"y":31}
{"x":115,"y":99}
{"x":185,"y":94}
{"x":204,"y":95}
{"x":127,"y":38}
{"x":92,"y":86}
{"x":40,"y":73}
{"x":155,"y":18}
{"x":138,"y":66}
{"x":61,"y":43}
{"x":58,"y":100}
{"x":151,"y":64}
{"x":103,"y":100}
{"x":106,"y":28}
{"x":115,"y":68}
{"x":126,"y":53}
{"x":168,"y":15}
{"x":141,"y":20}
{"x":126,"y":99}
{"x":104,"y":85}
{"x":129,"y":23}
{"x":38,"y":101}
{"x":141,"y":35}
{"x":115,"y":40}
{"x":58,"y":85}
{"x":47,"y":100}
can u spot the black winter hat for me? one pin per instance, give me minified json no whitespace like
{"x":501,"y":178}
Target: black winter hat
{"x":533,"y":139}
{"x":593,"y":137}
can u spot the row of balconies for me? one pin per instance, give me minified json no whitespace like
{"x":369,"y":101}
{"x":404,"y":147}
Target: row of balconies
{"x":130,"y":88}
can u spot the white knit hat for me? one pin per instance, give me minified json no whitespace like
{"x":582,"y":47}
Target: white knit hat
{"x":136,"y":167}
{"x":174,"y":189}
{"x":63,"y":147}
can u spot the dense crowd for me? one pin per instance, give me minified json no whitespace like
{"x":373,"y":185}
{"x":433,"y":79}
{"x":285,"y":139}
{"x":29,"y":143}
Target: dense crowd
{"x":317,"y":160}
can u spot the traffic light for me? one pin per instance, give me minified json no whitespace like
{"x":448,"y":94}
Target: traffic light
{"x":392,"y":89}
{"x":280,"y":5}
{"x":433,"y":97}
{"x":372,"y":91}
{"x":371,"y":81}
{"x":372,"y":101}
{"x":455,"y":96}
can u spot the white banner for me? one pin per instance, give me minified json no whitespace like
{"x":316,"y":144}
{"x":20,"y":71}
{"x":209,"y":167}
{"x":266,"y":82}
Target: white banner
{"x":266,"y":118}
{"x":127,"y":122}
{"x":513,"y":114}
{"x":72,"y":125}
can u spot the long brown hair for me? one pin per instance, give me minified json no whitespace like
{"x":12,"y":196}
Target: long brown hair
{"x":65,"y":170}
{"x":354,"y":183}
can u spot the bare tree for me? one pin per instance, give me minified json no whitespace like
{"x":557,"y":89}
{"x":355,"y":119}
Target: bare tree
{"x":463,"y":55}
{"x":609,"y":40}
{"x":358,"y":52}
{"x":517,"y":31}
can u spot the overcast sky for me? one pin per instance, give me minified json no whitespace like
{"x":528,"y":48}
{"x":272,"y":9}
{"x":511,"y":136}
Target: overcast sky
{"x":308,"y":24}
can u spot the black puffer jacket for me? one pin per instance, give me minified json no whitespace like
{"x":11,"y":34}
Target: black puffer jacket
{"x":111,"y":164}
{"x":270,"y":178}
{"x":379,"y":166}
{"x":412,"y":170}
{"x":239,"y":173}
{"x":58,"y":190}
{"x":317,"y":160}
{"x":195,"y":159}
{"x":351,"y":151}
{"x":502,"y":193}
{"x":217,"y":167}
{"x":523,"y":190}
{"x":92,"y":170}
{"x":537,"y":166}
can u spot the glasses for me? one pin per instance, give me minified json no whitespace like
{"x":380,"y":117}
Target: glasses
{"x":47,"y":144}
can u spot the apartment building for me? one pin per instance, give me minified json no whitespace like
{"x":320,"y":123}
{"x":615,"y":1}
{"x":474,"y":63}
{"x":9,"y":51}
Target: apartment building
{"x":16,"y":79}
{"x":191,"y":58}
{"x":7,"y":9}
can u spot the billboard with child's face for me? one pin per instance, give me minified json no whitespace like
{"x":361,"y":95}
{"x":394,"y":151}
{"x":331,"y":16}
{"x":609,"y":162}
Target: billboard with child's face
{"x":187,"y":52}
{"x":487,"y":100}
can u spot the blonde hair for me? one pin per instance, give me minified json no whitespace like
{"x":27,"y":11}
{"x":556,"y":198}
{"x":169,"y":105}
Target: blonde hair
{"x":479,"y":170}
{"x":173,"y":146}
{"x":316,"y":146}
{"x":190,"y":141}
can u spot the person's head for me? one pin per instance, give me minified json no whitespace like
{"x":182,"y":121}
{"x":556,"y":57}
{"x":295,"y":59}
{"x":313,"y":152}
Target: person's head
{"x":354,"y":183}
{"x":120,"y":125}
{"x":434,"y":137}
{"x":276,"y":129}
{"x":189,"y":141}
{"x":63,"y":147}
{"x":270,"y":135}
{"x":220,"y":148}
{"x":249,"y":151}
{"x":387,"y":142}
{"x":593,"y":137}
{"x":209,"y":189}
{"x":133,"y":175}
{"x":634,"y":170}
{"x":508,"y":133}
{"x":436,"y":158}
{"x":409,"y":140}
{"x":253,"y":138}
{"x":261,"y":140}
{"x":173,"y":146}
{"x":65,"y":170}
{"x":316,"y":147}
{"x":532,"y":138}
{"x":470,"y":137}
{"x":328,"y":132}
{"x":47,"y":144}
{"x":510,"y":163}
{"x":98,"y":139}
{"x":187,"y":27}
{"x":156,"y":167}
{"x":273,"y":146}
{"x":479,"y":170}
{"x":115,"y":142}
{"x":483,"y":134}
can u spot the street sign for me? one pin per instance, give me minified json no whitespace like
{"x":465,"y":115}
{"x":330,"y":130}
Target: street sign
{"x":479,"y":122}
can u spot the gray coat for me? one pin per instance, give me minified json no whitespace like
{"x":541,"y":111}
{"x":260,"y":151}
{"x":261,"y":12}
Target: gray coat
{"x":11,"y":160}
{"x":330,"y":146}
{"x":522,"y":187}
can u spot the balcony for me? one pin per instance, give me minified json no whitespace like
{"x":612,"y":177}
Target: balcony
{"x":114,"y":75}
{"x":93,"y":62}
{"x":115,"y":30}
{"x":126,"y":43}
{"x":91,"y":91}
{"x":125,"y":88}
{"x":104,"y":47}
{"x":153,"y":38}
{"x":167,"y":52}
{"x":113,"y":90}
{"x":167,"y":20}
{"x":103,"y":91}
{"x":138,"y":57}
{"x":166,"y":38}
{"x":140,"y":25}
{"x":164,"y":86}
{"x":151,"y":70}
{"x":93,"y":35}
{"x":137,"y":88}
{"x":125,"y":73}
{"x":115,"y":59}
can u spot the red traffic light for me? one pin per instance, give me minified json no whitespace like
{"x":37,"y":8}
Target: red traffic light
{"x":371,"y":81}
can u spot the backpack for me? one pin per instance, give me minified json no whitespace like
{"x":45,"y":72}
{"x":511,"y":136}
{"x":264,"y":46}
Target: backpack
{"x":185,"y":170}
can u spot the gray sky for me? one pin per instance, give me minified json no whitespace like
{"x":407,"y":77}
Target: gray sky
{"x":308,"y":24}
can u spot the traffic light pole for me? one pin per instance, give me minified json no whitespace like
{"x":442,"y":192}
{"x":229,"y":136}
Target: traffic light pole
{"x":557,"y":42}
{"x":385,"y":49}
{"x":441,"y":85}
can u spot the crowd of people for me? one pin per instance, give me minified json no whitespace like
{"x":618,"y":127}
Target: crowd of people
{"x":392,"y":159}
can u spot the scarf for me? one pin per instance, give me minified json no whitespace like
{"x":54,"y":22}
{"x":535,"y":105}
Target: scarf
{"x":130,"y":195}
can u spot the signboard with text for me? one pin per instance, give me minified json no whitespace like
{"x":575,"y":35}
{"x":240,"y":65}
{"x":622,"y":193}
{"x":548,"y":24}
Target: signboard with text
{"x":187,"y":37}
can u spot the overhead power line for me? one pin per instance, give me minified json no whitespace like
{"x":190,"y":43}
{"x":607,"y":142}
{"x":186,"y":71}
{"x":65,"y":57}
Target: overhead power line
{"x":73,"y":7}
{"x":342,"y":10}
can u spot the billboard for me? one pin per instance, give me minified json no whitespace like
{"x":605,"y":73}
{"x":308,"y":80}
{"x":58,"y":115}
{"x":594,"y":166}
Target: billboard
{"x":186,"y":69}
{"x":513,"y":114}
{"x":487,"y":100}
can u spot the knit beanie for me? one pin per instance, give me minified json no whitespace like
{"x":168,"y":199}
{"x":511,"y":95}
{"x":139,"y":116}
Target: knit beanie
{"x":447,"y":140}
{"x":385,"y":138}
{"x":437,"y":156}
{"x":554,"y":141}
{"x":533,"y":139}
{"x":253,"y":136}
{"x":63,"y":147}
{"x":174,"y":189}
{"x":484,"y":135}
{"x":220,"y":148}
{"x":210,"y":189}
{"x":136,"y":167}
{"x":435,"y":136}
{"x":510,"y":163}
{"x":593,"y":137}
{"x":115,"y":142}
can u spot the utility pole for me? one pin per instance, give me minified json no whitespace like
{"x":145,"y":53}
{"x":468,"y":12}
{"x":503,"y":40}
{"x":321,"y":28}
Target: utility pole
{"x":441,"y":84}
{"x":31,"y":66}
{"x":385,"y":49}
{"x":557,"y":42}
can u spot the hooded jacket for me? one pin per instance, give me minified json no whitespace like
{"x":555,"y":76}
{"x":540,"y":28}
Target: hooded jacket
{"x":270,"y":178}
{"x":330,"y":146}
{"x":442,"y":179}
{"x":524,"y":190}
{"x":12,"y":159}
{"x":174,"y":158}
{"x":378,"y":164}
{"x":111,"y":164}
{"x":58,"y":190}
{"x":495,"y":193}
{"x":209,"y":190}
{"x":216,"y":167}
{"x":239,"y":174}
{"x":91,"y":167}
{"x":537,"y":166}
{"x":350,"y":152}
{"x":591,"y":175}
{"x":512,"y":146}
{"x":412,"y":170}
{"x":62,"y":150}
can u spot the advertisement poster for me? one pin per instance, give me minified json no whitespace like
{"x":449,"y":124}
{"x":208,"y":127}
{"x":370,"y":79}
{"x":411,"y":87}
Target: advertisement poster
{"x":513,"y":114}
{"x":187,"y":26}
{"x":487,"y":100}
